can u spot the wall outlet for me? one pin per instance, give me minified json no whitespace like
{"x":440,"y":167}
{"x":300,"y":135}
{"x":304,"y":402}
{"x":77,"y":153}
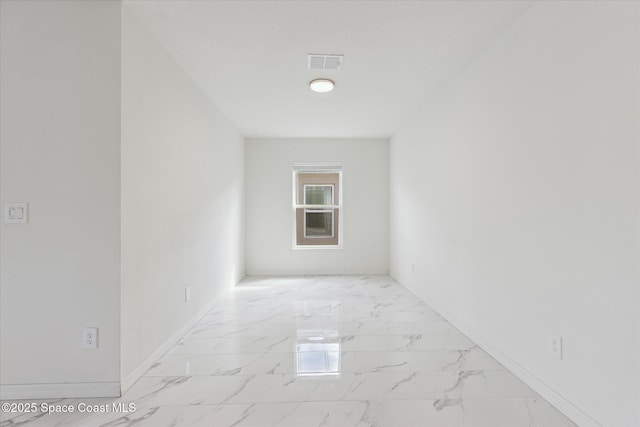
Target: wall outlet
{"x":90,"y":338}
{"x":187,"y":294}
{"x":555,"y":346}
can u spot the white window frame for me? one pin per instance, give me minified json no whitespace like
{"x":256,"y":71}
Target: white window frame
{"x":329,"y":168}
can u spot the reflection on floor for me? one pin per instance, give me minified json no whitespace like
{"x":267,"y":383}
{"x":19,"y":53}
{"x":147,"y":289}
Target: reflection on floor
{"x":326,"y":351}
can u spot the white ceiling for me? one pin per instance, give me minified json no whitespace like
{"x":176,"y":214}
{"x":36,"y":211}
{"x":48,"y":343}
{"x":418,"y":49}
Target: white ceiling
{"x":250,"y":57}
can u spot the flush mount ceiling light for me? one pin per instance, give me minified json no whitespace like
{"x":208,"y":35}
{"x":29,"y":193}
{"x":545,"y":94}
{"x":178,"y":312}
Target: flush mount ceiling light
{"x":322,"y":85}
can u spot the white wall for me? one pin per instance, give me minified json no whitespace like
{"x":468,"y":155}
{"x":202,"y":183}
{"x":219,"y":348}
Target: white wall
{"x":60,"y":147}
{"x":515,"y":193}
{"x":182,"y":199}
{"x":365,"y":175}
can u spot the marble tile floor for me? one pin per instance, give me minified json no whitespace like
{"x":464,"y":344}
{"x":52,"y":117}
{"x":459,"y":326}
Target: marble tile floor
{"x":318,"y":351}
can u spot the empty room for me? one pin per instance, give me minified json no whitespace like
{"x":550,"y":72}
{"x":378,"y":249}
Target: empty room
{"x":319,"y":213}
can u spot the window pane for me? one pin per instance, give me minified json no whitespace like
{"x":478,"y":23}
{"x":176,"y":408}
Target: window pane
{"x":318,"y":194}
{"x":318,"y":224}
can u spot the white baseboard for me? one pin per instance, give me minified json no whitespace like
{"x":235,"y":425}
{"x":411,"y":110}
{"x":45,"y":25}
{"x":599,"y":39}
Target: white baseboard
{"x":138,"y":372}
{"x":570,"y":410}
{"x":305,"y":273}
{"x":59,"y":391}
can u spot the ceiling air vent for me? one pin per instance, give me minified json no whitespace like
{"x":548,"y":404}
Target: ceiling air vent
{"x":324,"y":62}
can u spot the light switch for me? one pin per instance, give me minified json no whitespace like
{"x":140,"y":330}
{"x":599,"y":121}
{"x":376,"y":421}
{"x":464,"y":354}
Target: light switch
{"x":16,"y":213}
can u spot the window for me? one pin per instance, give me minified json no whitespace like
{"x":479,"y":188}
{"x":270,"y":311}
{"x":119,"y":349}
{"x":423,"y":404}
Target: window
{"x":317,"y":205}
{"x":318,"y":223}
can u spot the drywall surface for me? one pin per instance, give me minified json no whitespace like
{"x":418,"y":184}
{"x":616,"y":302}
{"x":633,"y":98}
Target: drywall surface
{"x":269,"y":215}
{"x":514,"y":203}
{"x":182,"y":198}
{"x":60,"y":147}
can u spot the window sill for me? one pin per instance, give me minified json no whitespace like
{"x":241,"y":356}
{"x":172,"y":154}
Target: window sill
{"x":324,"y":247}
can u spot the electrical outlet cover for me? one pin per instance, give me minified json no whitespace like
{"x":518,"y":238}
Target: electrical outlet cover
{"x":16,"y":213}
{"x":90,"y":338}
{"x":555,"y":346}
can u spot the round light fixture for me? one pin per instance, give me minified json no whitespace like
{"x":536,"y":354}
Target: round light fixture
{"x":322,"y":85}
